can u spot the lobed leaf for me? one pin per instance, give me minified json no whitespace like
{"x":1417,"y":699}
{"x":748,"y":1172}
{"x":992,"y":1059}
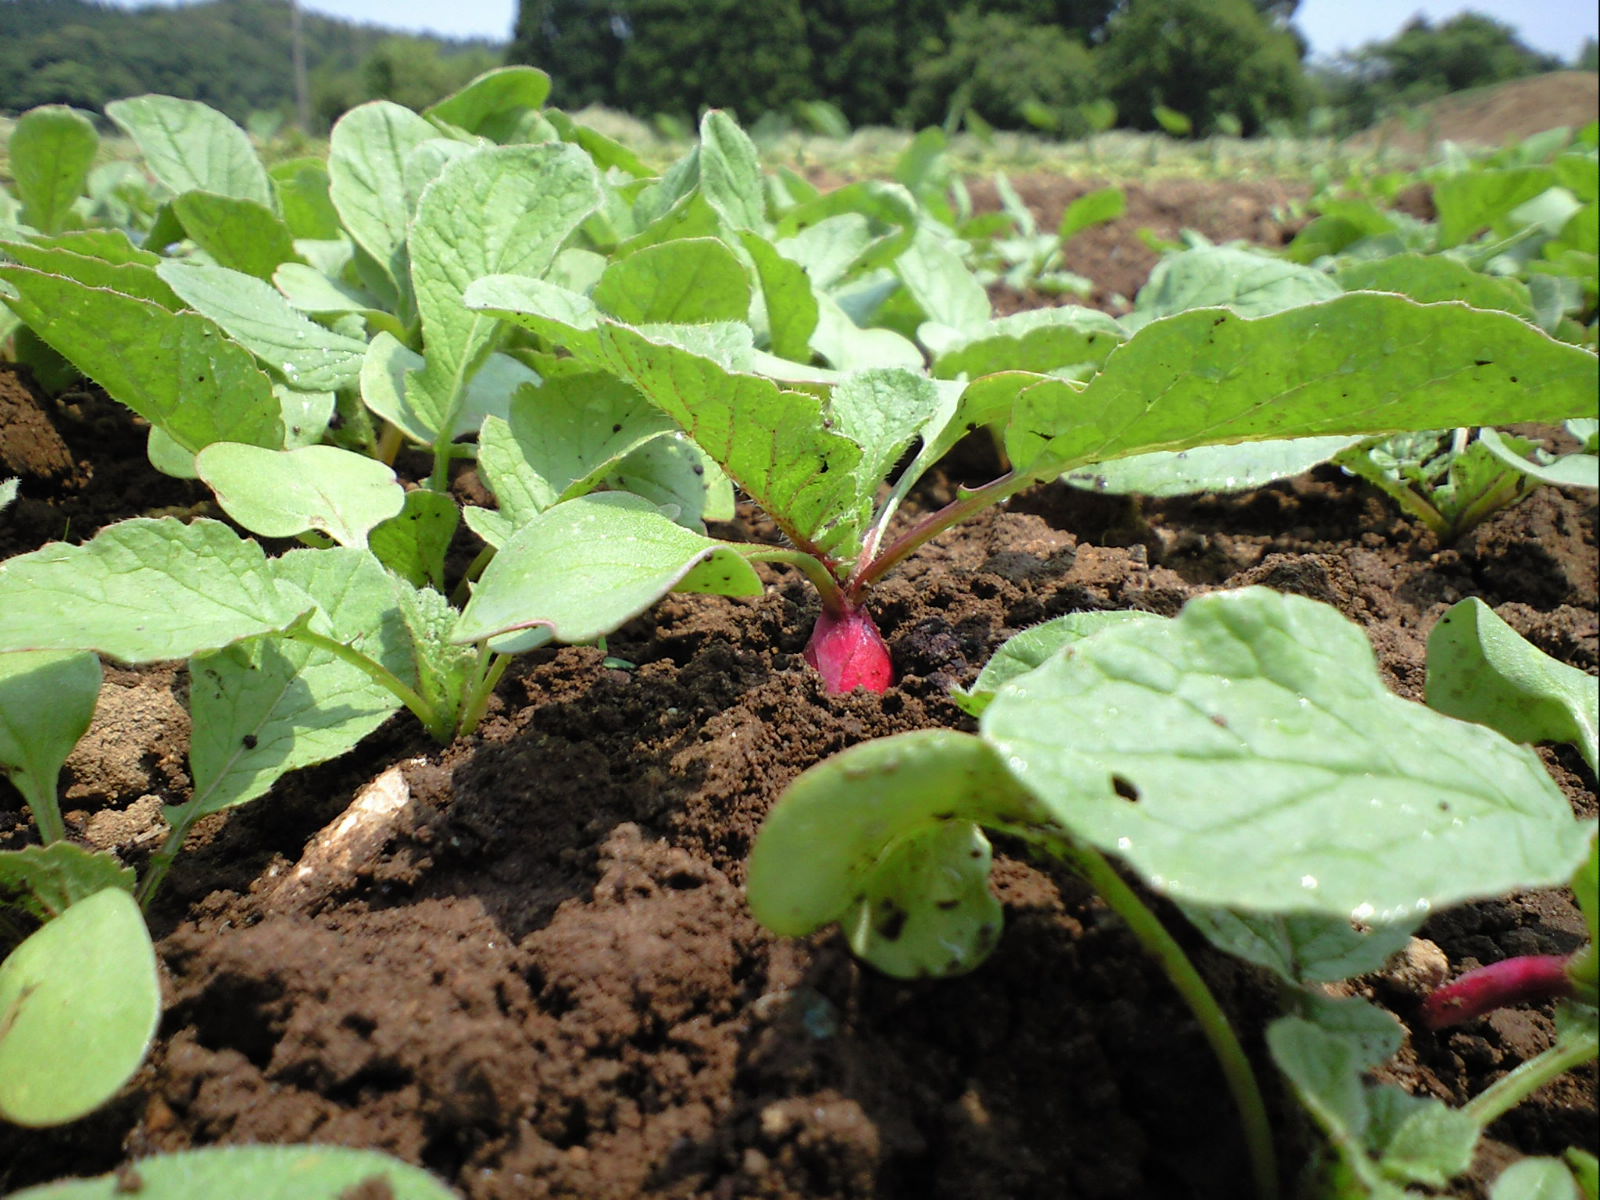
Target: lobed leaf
{"x":47,"y":880}
{"x":502,"y":210}
{"x":771,"y":441}
{"x":310,"y":356}
{"x":1364,"y":363}
{"x":1254,"y":730}
{"x":176,"y":370}
{"x":143,"y":590}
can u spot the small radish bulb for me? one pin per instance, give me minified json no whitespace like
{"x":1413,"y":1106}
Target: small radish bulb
{"x":849,"y":652}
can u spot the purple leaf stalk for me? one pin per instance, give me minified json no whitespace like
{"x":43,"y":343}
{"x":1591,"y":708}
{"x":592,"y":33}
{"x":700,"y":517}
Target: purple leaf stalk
{"x":1527,"y":979}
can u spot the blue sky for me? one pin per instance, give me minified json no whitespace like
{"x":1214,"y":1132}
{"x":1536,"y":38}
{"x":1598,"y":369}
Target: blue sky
{"x":1554,"y":26}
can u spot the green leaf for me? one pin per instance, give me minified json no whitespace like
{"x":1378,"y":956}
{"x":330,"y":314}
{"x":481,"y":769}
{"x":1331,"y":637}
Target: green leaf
{"x":1249,"y":282}
{"x":259,"y":1172}
{"x":1431,"y":278}
{"x":586,"y":567}
{"x":493,"y":103}
{"x":47,"y":880}
{"x":1247,"y":755}
{"x":772,"y":442}
{"x":69,"y":256}
{"x":310,"y":356}
{"x":47,"y":700}
{"x":503,"y":210}
{"x":1038,"y":340}
{"x":1536,"y":1179}
{"x":143,"y":590}
{"x":952,"y":921}
{"x":562,"y":439}
{"x":176,"y":370}
{"x":192,"y":148}
{"x":883,"y":412}
{"x":1569,"y":470}
{"x":1208,"y":468}
{"x":79,"y":1002}
{"x":791,"y":304}
{"x":1362,"y":363}
{"x":367,"y":152}
{"x":1091,"y":209}
{"x":1024,"y":651}
{"x":882,"y":838}
{"x":1302,"y":948}
{"x":269,"y":705}
{"x":676,"y":476}
{"x":689,"y":281}
{"x":941,"y":284}
{"x":1472,"y":201}
{"x":730,"y":173}
{"x":1432,"y":1145}
{"x":51,"y":150}
{"x":389,"y":364}
{"x":283,"y":493}
{"x":1482,"y":670}
{"x":441,"y":667}
{"x":301,"y":188}
{"x":239,"y":234}
{"x":413,"y":543}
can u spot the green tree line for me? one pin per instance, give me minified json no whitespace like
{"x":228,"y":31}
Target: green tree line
{"x":232,"y":54}
{"x":1064,"y":66}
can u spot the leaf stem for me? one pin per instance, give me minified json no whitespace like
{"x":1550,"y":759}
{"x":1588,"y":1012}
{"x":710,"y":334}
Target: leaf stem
{"x":809,"y":565}
{"x":438,"y":724}
{"x":1510,"y":1090}
{"x":967,"y":503}
{"x":487,"y":673}
{"x":46,"y":813}
{"x":1161,"y":945}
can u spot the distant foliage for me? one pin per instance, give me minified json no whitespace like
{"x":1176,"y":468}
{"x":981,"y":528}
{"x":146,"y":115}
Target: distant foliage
{"x":1010,"y":72}
{"x":1206,"y":59}
{"x":1014,"y":63}
{"x":1425,"y":61}
{"x":231,"y":54}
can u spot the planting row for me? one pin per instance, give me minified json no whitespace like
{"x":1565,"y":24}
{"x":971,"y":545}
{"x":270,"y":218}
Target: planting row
{"x":621,"y":354}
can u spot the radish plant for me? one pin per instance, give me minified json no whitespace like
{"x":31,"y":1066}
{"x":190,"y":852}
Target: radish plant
{"x":1245,"y":760}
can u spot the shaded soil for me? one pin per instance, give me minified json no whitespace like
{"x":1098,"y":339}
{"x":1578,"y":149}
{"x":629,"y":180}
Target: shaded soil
{"x":534,"y":972}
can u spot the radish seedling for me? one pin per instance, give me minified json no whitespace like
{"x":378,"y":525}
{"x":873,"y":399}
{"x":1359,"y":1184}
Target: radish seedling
{"x":1243,"y":759}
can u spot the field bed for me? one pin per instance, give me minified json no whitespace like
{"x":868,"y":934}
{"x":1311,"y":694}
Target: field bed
{"x":536,"y":975}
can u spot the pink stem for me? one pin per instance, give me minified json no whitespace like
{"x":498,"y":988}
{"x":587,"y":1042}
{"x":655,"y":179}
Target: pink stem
{"x":1523,"y":980}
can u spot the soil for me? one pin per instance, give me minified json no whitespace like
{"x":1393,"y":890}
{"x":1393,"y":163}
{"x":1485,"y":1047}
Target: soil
{"x":533,"y":971}
{"x":1493,"y":116}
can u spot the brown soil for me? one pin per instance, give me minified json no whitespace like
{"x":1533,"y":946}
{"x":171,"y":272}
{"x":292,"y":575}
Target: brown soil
{"x":1493,"y":116}
{"x":535,"y":973}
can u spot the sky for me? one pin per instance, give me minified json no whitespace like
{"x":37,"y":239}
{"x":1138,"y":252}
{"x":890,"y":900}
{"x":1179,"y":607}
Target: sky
{"x":1555,"y":26}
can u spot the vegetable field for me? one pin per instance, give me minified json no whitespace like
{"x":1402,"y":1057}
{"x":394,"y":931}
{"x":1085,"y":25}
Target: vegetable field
{"x":523,"y":674}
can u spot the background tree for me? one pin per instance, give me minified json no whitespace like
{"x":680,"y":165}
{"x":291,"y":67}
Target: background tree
{"x":1466,"y":51}
{"x":1006,"y":69}
{"x":1204,"y":58}
{"x":578,"y":43}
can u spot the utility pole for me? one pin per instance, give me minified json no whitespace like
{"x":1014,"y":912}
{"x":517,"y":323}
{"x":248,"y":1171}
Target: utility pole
{"x":297,"y":51}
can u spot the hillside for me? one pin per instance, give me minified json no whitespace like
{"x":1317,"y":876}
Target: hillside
{"x":1493,"y":116}
{"x":232,"y":54}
